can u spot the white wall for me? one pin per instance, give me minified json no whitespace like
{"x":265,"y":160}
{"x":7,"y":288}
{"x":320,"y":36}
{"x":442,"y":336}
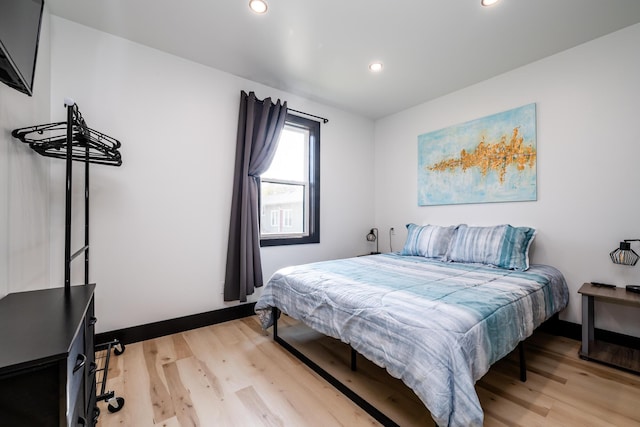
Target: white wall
{"x":588,"y":152}
{"x":24,"y":183}
{"x":159,"y":223}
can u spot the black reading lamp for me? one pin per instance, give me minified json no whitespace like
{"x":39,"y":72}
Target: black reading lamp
{"x":624,"y":255}
{"x":373,"y":237}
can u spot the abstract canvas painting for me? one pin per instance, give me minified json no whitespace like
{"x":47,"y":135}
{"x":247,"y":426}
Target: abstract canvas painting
{"x":492,"y":159}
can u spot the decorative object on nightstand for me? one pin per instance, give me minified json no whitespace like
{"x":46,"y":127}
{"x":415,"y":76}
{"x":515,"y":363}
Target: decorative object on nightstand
{"x":624,"y":255}
{"x":373,"y":237}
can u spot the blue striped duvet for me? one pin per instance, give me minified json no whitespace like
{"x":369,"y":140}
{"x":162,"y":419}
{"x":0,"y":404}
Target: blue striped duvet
{"x":437,"y":326}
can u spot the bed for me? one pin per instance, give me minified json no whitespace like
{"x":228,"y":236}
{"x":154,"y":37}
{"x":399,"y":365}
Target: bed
{"x":436,"y":322}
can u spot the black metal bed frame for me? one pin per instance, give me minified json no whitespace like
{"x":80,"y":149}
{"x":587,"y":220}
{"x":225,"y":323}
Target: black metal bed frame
{"x":355,"y":397}
{"x":74,"y":140}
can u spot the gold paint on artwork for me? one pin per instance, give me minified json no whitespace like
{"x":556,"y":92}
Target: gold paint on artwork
{"x":497,"y":157}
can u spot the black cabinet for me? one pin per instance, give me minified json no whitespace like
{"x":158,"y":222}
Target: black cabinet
{"x":47,"y":359}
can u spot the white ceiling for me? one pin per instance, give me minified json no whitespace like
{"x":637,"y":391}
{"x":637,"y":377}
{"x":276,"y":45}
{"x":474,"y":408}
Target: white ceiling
{"x":321,"y":49}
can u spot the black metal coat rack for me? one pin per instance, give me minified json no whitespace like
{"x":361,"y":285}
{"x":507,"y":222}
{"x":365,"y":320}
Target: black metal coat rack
{"x":72,"y":140}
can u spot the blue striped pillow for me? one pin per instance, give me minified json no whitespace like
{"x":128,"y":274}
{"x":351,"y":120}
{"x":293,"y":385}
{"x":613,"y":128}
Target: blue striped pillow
{"x":501,"y":246}
{"x":430,"y":241}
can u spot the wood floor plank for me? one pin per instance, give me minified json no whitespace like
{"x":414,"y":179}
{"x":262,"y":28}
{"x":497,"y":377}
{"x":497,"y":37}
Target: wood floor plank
{"x":506,"y":411}
{"x":220,"y":358}
{"x":562,"y":414}
{"x":207,"y":395}
{"x":210,"y":376}
{"x":517,"y":394}
{"x":240,"y":371}
{"x":586,"y":387}
{"x":180,"y":396}
{"x":169,"y":422}
{"x":181,"y":347}
{"x":254,"y":404}
{"x":160,"y":397}
{"x":226,"y":334}
{"x":599,"y":395}
{"x":299,"y":391}
{"x":210,"y":380}
{"x":563,"y":347}
{"x":115,"y":381}
{"x":369,"y":381}
{"x":132,"y":383}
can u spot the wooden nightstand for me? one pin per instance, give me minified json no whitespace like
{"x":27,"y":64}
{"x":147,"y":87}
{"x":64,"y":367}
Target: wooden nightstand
{"x":601,"y":351}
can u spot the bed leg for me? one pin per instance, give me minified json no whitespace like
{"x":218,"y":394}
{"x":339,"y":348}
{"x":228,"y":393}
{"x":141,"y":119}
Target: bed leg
{"x":523,"y":363}
{"x":353,"y":360}
{"x":274,"y":313}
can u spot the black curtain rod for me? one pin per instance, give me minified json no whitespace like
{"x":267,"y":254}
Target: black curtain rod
{"x":310,"y":115}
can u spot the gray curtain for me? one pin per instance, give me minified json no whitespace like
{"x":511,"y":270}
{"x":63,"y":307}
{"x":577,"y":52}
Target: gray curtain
{"x":259,"y":127}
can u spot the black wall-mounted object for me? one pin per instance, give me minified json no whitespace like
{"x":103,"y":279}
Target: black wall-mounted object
{"x":20,"y":22}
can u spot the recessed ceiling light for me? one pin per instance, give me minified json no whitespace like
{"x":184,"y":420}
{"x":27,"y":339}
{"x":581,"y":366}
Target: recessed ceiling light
{"x":488,"y":2}
{"x":258,"y":6}
{"x":375,"y":67}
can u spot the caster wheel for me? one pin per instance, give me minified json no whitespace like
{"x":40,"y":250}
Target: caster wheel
{"x":119,"y":349}
{"x":112,"y":408}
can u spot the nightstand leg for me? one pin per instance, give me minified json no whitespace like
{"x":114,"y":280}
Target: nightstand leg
{"x":587,"y":323}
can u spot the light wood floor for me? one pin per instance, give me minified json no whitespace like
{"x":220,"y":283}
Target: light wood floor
{"x":233,"y":374}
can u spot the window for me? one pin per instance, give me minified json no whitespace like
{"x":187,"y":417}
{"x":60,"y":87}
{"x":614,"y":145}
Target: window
{"x":286,"y":218}
{"x":275,"y":218}
{"x":290,"y":189}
